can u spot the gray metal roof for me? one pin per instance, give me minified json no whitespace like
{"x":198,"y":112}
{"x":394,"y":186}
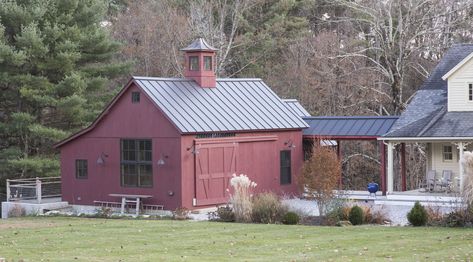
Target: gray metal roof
{"x":296,"y":107}
{"x":426,"y":115}
{"x":349,"y":126}
{"x":199,"y":45}
{"x":234,"y":105}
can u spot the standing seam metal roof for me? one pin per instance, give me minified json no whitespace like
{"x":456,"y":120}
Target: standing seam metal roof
{"x":349,"y":126}
{"x":234,"y":105}
{"x":296,"y":107}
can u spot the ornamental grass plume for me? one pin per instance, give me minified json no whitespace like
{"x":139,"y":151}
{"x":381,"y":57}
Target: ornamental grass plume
{"x":467,"y":190}
{"x":241,"y":197}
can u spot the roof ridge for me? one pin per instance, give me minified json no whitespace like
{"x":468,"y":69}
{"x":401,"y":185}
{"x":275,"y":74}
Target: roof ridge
{"x":186,"y":79}
{"x":239,"y":79}
{"x":463,"y":44}
{"x":351,"y":117}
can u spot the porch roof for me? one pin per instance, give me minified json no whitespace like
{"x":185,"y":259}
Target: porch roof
{"x":348,"y":127}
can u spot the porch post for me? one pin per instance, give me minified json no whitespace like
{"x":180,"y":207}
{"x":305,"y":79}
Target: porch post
{"x":340,"y":158}
{"x":382,"y":173}
{"x":461,"y":149}
{"x":390,"y":182}
{"x":38,"y":190}
{"x":403,"y":167}
{"x":8,"y":190}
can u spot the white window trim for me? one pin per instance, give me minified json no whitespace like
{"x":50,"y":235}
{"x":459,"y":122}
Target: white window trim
{"x":468,"y":92}
{"x":443,"y":154}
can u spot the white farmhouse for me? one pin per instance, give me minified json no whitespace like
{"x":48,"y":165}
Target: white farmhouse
{"x":440,"y":115}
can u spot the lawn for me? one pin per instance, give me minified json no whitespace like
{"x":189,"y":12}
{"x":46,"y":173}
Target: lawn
{"x":83,"y":239}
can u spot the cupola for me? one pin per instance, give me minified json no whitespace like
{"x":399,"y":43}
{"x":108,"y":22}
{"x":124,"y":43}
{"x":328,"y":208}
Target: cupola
{"x":200,"y":63}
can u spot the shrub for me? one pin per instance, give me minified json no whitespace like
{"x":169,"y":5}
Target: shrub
{"x":334,"y":216}
{"x":459,"y":218}
{"x":181,"y":213}
{"x":418,"y":215}
{"x":223,"y":214}
{"x":17,"y":211}
{"x":290,"y":218}
{"x":356,"y":215}
{"x":104,"y":212}
{"x":379,"y":217}
{"x":435,"y":217}
{"x":321,"y":175}
{"x":241,"y":197}
{"x":267,"y":209}
{"x":367,"y":214}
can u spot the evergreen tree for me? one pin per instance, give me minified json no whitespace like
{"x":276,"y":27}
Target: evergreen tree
{"x":56,"y":60}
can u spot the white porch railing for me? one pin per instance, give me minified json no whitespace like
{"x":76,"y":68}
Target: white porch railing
{"x":33,"y":188}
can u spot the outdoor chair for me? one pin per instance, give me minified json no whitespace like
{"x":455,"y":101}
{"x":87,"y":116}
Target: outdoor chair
{"x":446,"y":180}
{"x":429,"y":182}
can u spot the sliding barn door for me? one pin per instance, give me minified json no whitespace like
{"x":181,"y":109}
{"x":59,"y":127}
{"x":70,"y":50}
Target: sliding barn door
{"x":214,"y":165}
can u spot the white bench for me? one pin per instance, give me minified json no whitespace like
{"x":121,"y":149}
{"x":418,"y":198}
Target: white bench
{"x":129,"y":204}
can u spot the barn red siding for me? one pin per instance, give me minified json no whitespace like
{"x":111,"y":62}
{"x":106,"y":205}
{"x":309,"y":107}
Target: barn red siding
{"x":125,"y":120}
{"x":258,"y":160}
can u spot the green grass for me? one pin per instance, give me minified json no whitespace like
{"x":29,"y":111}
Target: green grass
{"x":82,"y":239}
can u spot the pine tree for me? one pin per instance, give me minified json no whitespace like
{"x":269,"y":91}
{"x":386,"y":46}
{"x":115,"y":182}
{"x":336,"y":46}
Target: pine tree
{"x":56,"y":63}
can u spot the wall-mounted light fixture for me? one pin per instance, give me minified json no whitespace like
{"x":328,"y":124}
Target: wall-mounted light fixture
{"x":101,"y":159}
{"x":289,"y":143}
{"x":193,"y":149}
{"x":162,"y":161}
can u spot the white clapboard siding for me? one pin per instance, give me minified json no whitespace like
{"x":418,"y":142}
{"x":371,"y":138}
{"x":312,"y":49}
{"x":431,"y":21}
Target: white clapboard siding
{"x":438,"y":164}
{"x":458,"y":88}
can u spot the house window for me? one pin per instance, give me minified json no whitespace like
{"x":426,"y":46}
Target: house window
{"x":81,"y":169}
{"x":447,"y":153}
{"x":193,"y":63}
{"x":285,"y":165}
{"x":136,"y":163}
{"x":470,"y":92}
{"x":207,"y":63}
{"x":135,"y":97}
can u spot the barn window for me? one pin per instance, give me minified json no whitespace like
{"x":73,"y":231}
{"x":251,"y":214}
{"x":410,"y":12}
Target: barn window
{"x":447,"y":153}
{"x":81,"y":168}
{"x":207,"y":63}
{"x":135,"y":97}
{"x":136,"y":163}
{"x":470,"y":92}
{"x":193,"y":63}
{"x":285,"y":164}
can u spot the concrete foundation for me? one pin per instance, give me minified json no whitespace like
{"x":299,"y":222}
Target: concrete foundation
{"x":26,"y":207}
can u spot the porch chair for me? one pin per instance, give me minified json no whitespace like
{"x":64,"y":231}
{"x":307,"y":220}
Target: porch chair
{"x":429,"y":182}
{"x":446,"y":180}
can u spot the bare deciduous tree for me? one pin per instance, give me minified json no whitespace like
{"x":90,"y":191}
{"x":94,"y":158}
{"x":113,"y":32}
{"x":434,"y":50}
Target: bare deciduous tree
{"x":398,"y":34}
{"x":217,"y":22}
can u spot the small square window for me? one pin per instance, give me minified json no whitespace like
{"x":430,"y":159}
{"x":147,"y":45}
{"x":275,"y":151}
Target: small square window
{"x":470,"y":92}
{"x":193,"y":63}
{"x":81,"y":168}
{"x":207,"y":63}
{"x":447,"y":153}
{"x":135,"y":97}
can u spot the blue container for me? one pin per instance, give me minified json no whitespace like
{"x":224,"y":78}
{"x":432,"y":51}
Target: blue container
{"x":373,"y":188}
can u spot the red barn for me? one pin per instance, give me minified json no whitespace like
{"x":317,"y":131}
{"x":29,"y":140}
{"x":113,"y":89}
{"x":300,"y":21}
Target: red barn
{"x":180,"y":140}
